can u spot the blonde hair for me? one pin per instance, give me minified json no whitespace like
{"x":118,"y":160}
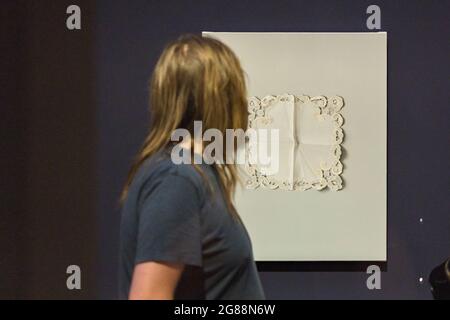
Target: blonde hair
{"x":195,"y":79}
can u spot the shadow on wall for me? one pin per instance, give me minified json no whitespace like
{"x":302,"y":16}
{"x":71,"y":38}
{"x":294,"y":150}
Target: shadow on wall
{"x":48,"y":119}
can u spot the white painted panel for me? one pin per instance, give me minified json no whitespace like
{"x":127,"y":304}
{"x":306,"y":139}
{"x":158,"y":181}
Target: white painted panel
{"x":322,"y":225}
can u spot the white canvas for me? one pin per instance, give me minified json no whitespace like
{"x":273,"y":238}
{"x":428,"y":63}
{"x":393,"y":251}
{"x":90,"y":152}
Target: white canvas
{"x":320,"y":225}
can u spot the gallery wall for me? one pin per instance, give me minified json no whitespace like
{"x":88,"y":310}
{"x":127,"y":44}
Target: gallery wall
{"x":48,"y":136}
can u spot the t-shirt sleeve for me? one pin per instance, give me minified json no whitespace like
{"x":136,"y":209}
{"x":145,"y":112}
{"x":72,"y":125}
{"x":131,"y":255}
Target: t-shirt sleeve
{"x":169,"y":222}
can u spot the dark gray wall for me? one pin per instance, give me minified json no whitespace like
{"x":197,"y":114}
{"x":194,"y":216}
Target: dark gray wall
{"x":47,"y":151}
{"x":130,"y":36}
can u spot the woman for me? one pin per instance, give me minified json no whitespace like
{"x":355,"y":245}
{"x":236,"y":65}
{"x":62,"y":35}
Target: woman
{"x":181,"y":236}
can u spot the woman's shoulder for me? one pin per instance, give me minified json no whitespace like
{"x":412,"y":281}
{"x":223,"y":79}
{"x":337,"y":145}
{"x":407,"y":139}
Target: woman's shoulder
{"x":160,"y":167}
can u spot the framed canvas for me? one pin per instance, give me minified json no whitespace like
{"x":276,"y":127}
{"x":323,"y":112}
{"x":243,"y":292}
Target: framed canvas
{"x":326,"y":92}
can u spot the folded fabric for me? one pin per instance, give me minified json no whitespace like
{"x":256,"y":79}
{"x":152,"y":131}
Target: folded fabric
{"x":308,"y":150}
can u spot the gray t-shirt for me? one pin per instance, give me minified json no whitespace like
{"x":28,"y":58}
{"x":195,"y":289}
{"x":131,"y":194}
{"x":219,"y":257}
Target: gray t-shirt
{"x":170,"y":215}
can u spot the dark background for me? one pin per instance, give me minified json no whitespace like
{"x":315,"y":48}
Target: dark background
{"x":74,"y":112}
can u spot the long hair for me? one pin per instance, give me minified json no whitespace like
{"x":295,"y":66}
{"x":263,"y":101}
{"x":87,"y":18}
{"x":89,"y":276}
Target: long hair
{"x":195,"y":79}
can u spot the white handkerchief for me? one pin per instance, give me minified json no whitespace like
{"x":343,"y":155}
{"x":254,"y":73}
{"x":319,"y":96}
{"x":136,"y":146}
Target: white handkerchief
{"x":295,"y":142}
